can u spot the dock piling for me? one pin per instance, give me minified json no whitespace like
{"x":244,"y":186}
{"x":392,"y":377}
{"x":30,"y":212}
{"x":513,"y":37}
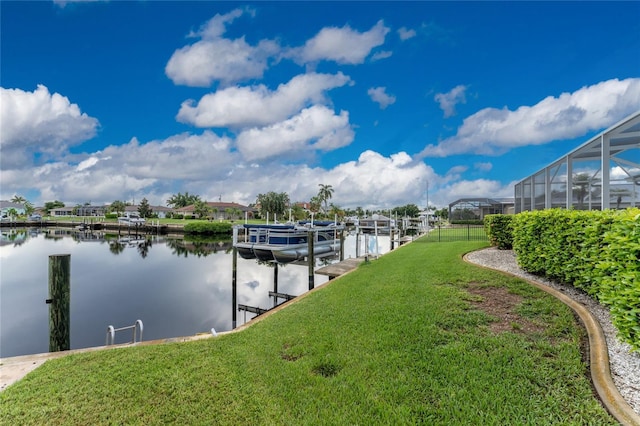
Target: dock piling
{"x":59,"y":302}
{"x":312,"y":259}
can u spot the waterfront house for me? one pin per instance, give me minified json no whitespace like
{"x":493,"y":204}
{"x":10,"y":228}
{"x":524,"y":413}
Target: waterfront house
{"x":7,"y":206}
{"x":221,"y":210}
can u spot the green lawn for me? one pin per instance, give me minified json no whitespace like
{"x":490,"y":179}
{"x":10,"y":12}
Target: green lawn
{"x":397,"y":342}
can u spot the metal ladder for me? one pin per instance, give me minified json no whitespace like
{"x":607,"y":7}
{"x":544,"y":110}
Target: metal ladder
{"x":111,"y":332}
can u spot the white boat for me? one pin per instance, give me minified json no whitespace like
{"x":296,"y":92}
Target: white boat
{"x":289,"y":242}
{"x":131,"y":219}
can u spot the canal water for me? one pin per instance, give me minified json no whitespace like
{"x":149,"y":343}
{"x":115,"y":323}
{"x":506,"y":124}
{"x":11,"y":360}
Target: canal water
{"x":175,"y":285}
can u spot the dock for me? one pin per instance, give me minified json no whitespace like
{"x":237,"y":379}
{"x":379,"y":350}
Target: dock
{"x":337,"y":269}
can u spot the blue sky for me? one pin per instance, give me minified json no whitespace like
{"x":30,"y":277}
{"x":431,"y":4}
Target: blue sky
{"x":105,"y":101}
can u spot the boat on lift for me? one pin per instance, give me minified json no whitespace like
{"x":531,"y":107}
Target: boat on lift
{"x":131,"y":219}
{"x":285,"y":243}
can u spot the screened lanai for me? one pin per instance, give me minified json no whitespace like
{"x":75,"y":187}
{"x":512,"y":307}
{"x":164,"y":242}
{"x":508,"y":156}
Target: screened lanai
{"x":478,"y":208}
{"x":602,"y":173}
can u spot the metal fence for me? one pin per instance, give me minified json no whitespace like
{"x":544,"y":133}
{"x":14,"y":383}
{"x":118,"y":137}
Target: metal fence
{"x":456,"y":233}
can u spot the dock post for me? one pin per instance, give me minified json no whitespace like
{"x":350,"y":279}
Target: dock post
{"x":312,"y":259}
{"x":275,"y":282}
{"x":234,"y":279}
{"x":366,"y":247}
{"x":59,"y":301}
{"x":375,"y":226}
{"x":393,"y":231}
{"x":341,"y":245}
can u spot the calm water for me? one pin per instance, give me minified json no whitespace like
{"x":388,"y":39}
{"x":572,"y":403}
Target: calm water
{"x":175,"y":286}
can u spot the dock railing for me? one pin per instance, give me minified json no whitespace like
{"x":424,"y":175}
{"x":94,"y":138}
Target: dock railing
{"x":111,"y":332}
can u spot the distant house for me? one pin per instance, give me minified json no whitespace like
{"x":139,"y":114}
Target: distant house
{"x":91,"y":210}
{"x":160,"y":211}
{"x":6,"y":206}
{"x":305,"y":205}
{"x":62,"y":211}
{"x":221,"y":210}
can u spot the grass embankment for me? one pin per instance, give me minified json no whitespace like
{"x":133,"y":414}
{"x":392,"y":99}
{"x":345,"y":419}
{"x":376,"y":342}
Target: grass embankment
{"x":400,"y":341}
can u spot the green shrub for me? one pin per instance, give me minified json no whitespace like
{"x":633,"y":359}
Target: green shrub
{"x":111,"y":216}
{"x":499,"y":230}
{"x":597,"y":251}
{"x":211,"y":228}
{"x":619,"y":275}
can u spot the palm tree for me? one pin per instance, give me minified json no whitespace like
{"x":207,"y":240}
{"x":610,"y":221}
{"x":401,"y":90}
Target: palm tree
{"x":580,"y":185}
{"x":324,"y":194}
{"x":182,"y":200}
{"x":336,"y":211}
{"x":18,"y":199}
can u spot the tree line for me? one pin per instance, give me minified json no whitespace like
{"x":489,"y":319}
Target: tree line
{"x":272,"y":204}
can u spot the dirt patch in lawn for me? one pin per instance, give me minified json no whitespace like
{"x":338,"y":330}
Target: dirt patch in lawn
{"x":502,"y":306}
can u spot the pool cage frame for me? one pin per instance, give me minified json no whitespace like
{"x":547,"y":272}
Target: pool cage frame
{"x":605,"y":174}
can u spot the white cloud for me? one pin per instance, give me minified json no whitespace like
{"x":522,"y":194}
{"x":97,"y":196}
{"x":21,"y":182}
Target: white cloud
{"x":316,"y":128}
{"x":378,"y":181}
{"x":131,"y":170}
{"x":492,"y":131}
{"x":342,"y":45}
{"x":257,"y":105}
{"x":381,"y":55}
{"x":623,"y":175}
{"x":379,"y":95}
{"x":476,"y":188}
{"x":88,"y":163}
{"x":406,"y":34}
{"x":455,"y":172}
{"x":449,"y":100}
{"x":214,"y":58}
{"x":207,"y":165}
{"x":217,"y":26}
{"x":182,"y":156}
{"x":483,"y":167}
{"x":39,"y":121}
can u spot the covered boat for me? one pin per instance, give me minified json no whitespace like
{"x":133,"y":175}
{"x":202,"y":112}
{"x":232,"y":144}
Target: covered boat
{"x":289,"y":242}
{"x":131,"y":219}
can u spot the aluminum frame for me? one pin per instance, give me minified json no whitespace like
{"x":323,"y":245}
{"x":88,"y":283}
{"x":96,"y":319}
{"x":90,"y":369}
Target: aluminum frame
{"x":607,"y":166}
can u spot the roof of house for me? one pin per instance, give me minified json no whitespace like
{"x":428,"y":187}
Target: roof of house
{"x":9,"y":205}
{"x":153,"y":209}
{"x":221,"y":206}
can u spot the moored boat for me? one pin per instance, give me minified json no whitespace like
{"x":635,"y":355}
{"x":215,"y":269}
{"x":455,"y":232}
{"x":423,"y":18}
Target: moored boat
{"x":286,"y":243}
{"x":131,"y":219}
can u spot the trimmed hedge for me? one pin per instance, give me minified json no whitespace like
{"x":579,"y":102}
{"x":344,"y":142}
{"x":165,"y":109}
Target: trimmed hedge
{"x":597,"y":251}
{"x":210,"y":228}
{"x":499,"y":230}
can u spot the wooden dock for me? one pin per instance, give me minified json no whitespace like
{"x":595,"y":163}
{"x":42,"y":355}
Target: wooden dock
{"x":337,"y":269}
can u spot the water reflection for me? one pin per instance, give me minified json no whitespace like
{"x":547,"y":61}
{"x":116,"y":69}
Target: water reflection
{"x":176,"y":286}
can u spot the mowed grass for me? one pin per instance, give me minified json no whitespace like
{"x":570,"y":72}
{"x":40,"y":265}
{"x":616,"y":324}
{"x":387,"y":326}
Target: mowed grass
{"x":396,"y":342}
